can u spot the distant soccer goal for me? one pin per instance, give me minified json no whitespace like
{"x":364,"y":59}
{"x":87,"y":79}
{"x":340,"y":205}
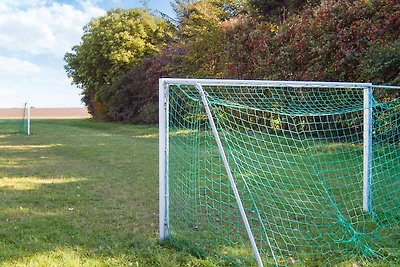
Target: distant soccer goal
{"x":281,"y":173}
{"x":15,"y":120}
{"x":26,"y":120}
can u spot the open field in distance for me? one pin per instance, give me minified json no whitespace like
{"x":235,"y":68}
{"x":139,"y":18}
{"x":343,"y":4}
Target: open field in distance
{"x":46,"y":113}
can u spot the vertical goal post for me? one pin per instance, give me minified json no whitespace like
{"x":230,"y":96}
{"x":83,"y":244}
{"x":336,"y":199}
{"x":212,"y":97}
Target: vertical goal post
{"x":25,"y":123}
{"x":367,"y":152}
{"x":199,"y":89}
{"x":163,"y":160}
{"x":27,"y":118}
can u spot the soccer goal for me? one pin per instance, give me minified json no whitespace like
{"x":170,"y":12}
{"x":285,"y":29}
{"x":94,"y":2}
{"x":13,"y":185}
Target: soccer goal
{"x":26,"y":120}
{"x":15,"y":120}
{"x":280,"y":173}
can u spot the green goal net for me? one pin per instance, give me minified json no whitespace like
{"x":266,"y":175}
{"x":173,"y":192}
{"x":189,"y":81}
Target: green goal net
{"x":281,"y":173}
{"x":15,"y":120}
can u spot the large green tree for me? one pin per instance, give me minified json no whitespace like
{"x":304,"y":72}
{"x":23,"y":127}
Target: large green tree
{"x":110,"y":45}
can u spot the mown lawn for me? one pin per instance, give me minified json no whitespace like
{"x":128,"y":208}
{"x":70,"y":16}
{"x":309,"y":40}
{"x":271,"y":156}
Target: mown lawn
{"x":82,"y":193}
{"x":85,"y":193}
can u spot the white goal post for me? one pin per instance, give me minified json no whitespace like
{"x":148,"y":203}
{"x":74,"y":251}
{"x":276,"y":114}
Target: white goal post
{"x":26,"y":123}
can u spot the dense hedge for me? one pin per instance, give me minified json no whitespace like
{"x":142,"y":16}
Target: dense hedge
{"x":336,"y":40}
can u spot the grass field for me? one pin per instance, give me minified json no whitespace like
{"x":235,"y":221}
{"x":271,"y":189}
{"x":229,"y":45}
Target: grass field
{"x":85,"y":193}
{"x":82,"y":193}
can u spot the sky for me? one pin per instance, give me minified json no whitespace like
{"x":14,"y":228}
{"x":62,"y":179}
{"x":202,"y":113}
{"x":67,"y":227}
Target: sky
{"x":34,"y":37}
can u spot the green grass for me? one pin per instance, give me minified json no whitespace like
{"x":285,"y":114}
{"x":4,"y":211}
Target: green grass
{"x":11,"y":126}
{"x":82,"y":193}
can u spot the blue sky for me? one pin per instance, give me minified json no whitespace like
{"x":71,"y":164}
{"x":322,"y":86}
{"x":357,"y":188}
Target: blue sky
{"x":35,"y":35}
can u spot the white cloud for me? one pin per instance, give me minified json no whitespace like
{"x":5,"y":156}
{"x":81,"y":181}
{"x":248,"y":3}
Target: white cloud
{"x":16,"y":67}
{"x":23,"y":3}
{"x":43,"y":27}
{"x":34,"y":36}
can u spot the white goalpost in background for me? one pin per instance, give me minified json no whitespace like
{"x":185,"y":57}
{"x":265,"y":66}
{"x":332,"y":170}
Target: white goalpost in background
{"x":26,"y":122}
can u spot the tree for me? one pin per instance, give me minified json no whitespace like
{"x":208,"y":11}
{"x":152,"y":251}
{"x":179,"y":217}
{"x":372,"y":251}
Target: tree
{"x":278,"y":10}
{"x":329,"y":42}
{"x":382,"y":64}
{"x":201,"y":34}
{"x":133,"y":96}
{"x":226,"y":8}
{"x":110,"y":45}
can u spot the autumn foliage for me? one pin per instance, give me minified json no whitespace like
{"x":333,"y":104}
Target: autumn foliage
{"x":332,"y":40}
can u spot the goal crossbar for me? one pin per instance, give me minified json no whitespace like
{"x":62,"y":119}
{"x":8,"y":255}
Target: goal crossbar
{"x":264,"y":83}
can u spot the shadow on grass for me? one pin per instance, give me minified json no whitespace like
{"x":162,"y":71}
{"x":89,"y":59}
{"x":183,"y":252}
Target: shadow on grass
{"x":39,"y":217}
{"x":91,"y":199}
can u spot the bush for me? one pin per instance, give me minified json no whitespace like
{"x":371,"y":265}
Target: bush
{"x":246,"y":42}
{"x":133,"y":97}
{"x":330,"y":42}
{"x":382,"y":64}
{"x":337,"y":40}
{"x":148,"y":113}
{"x":327,"y":42}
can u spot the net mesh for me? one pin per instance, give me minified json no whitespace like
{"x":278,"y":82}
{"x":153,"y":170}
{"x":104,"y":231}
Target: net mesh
{"x":296,"y":155}
{"x":14,"y":120}
{"x":25,"y":120}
